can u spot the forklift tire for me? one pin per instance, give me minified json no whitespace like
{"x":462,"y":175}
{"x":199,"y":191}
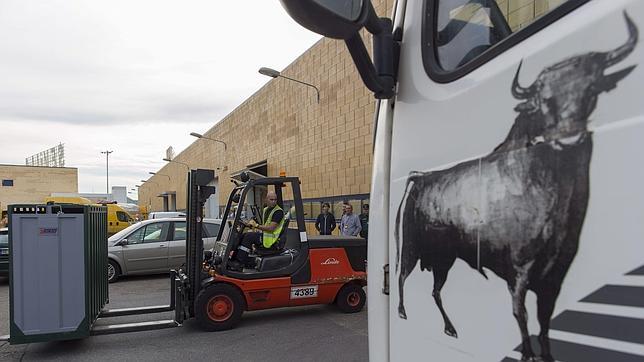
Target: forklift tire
{"x":351,"y":298}
{"x":219,"y":307}
{"x":113,"y":271}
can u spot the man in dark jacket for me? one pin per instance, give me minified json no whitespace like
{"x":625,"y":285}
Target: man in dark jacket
{"x":364,"y":221}
{"x":325,"y":222}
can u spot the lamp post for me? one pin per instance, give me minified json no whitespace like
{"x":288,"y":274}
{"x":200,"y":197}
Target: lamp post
{"x":179,"y":162}
{"x":274,"y":74}
{"x":152,"y":182}
{"x":107,"y":171}
{"x":199,"y":135}
{"x":160,"y":174}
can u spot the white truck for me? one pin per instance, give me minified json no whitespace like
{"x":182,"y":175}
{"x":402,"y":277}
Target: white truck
{"x":507,"y":218}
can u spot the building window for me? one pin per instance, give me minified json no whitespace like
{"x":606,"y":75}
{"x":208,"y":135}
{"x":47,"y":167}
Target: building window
{"x":313,"y":207}
{"x":8,"y":183}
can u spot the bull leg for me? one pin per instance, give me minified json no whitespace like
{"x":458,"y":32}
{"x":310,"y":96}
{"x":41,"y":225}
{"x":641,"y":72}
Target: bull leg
{"x":545,"y":306}
{"x":401,"y":291}
{"x":518,"y":289}
{"x":440,"y":277}
{"x":407,"y":263}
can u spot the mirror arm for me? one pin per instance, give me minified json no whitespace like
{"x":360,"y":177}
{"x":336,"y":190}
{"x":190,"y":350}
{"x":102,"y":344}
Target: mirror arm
{"x":373,"y":24}
{"x":383,"y":50}
{"x":379,"y":75}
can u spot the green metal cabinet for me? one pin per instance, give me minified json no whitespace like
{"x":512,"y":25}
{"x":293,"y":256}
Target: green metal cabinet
{"x":58,"y":270}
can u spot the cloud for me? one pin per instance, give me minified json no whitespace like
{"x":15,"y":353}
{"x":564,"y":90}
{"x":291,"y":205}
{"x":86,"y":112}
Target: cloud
{"x":99,"y":111}
{"x":117,"y":75}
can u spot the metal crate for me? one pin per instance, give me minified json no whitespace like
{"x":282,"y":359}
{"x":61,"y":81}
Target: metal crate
{"x":58,"y":270}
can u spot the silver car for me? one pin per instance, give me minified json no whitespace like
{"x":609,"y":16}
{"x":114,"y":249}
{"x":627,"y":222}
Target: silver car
{"x":153,"y":246}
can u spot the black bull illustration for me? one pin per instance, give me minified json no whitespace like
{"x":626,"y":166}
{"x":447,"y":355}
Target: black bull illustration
{"x":519,"y":210}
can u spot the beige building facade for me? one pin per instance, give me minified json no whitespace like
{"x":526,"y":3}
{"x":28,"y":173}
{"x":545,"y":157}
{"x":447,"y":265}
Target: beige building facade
{"x":281,"y":128}
{"x":31,"y":184}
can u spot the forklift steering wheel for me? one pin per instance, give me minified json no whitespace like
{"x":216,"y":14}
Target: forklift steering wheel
{"x":240,"y":225}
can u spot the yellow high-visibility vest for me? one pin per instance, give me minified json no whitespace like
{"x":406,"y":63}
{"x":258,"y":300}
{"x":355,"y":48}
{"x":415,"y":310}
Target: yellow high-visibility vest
{"x":270,"y":238}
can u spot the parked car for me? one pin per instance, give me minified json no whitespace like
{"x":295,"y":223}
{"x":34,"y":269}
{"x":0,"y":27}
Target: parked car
{"x":153,"y":246}
{"x":161,"y":214}
{"x":4,"y":252}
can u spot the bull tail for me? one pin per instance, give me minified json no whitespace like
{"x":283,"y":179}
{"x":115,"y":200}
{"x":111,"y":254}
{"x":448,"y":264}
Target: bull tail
{"x":410,"y":180}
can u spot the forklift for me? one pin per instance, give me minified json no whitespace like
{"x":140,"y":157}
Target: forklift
{"x":301,"y":270}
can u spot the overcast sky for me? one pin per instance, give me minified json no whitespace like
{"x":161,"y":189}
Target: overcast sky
{"x":133,"y":76}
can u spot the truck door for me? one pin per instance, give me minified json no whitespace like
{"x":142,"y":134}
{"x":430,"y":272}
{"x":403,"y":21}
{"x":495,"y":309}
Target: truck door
{"x":516,"y":199}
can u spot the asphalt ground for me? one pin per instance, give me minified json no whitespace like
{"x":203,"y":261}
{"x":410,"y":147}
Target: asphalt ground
{"x":314,"y":333}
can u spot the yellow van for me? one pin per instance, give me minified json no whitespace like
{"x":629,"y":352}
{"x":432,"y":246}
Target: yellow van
{"x":117,"y":217}
{"x":68,"y":200}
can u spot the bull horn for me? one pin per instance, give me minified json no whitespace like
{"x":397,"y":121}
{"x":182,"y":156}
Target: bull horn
{"x":518,"y":91}
{"x":617,"y":55}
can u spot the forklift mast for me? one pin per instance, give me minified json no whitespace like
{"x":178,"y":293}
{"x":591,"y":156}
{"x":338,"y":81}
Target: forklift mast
{"x":197,"y":193}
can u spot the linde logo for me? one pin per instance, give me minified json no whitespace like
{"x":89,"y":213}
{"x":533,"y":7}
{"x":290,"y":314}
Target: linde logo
{"x":331,"y":261}
{"x":48,"y":231}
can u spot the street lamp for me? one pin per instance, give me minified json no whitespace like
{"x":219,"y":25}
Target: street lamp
{"x":274,"y":74}
{"x":107,"y":170}
{"x":199,"y":135}
{"x":160,"y":174}
{"x":152,"y":182}
{"x":183,"y":163}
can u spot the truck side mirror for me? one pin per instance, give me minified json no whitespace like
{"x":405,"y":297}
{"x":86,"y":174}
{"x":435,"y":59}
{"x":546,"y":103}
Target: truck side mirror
{"x":331,"y":18}
{"x":123,"y":242}
{"x":342,"y":19}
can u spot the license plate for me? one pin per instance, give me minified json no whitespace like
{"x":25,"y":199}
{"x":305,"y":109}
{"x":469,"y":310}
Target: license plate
{"x":310,"y":291}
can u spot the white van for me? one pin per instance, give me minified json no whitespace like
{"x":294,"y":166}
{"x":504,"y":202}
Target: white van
{"x":164,"y":214}
{"x":506,"y":198}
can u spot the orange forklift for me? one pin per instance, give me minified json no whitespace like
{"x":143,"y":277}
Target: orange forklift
{"x":302,"y":269}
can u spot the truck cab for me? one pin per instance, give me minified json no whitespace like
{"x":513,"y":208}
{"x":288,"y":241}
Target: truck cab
{"x":505,"y":200}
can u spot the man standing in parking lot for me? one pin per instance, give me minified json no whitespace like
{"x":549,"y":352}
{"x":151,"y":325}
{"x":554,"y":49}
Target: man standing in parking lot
{"x":325,"y":223}
{"x":364,"y":221}
{"x":350,"y":223}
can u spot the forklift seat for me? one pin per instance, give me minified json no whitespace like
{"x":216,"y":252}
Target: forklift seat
{"x":275,"y":262}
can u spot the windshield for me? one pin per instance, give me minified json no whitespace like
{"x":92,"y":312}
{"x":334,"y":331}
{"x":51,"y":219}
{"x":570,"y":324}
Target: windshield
{"x":121,"y":234}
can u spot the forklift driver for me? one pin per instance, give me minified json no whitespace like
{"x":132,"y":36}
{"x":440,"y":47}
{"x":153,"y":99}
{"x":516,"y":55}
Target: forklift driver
{"x":266,"y":238}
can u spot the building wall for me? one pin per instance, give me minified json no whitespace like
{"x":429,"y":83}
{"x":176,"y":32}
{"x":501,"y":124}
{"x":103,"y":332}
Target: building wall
{"x":328,"y":145}
{"x":31,"y":184}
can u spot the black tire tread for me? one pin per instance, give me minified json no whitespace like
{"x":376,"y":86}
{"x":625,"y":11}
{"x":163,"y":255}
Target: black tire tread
{"x":117,"y":270}
{"x":341,"y":298}
{"x":202,"y":301}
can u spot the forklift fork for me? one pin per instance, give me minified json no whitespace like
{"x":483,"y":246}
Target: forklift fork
{"x":177,"y":288}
